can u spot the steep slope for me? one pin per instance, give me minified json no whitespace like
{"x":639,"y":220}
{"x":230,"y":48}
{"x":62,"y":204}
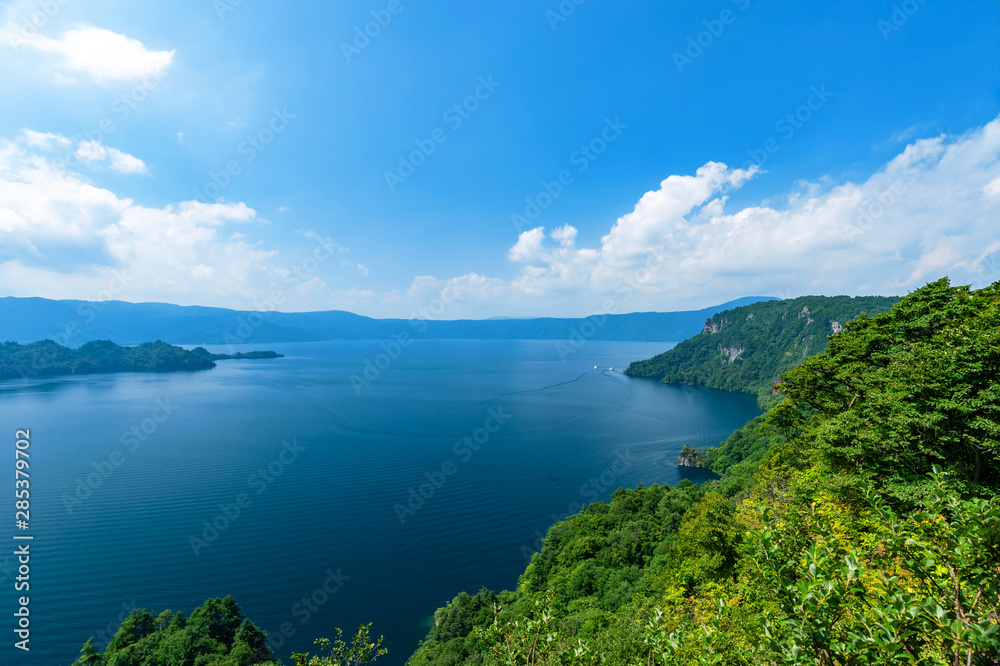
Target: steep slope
{"x":748,"y":348}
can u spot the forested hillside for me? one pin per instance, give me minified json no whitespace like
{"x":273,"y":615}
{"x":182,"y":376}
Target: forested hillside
{"x":48,"y":358}
{"x":870,"y":534}
{"x":748,"y":348}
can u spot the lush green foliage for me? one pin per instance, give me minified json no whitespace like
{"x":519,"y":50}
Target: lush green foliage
{"x":215,"y":634}
{"x":748,"y":348}
{"x":938,"y":600}
{"x":361,"y":650}
{"x":738,"y":457}
{"x":906,"y":390}
{"x":839,"y":544}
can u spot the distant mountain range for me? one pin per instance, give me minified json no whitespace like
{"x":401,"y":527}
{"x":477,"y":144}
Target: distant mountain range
{"x":73,"y":323}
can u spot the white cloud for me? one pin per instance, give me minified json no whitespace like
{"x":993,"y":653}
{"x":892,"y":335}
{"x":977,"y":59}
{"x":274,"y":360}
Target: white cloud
{"x":361,"y":268}
{"x":100,"y":54}
{"x":93,"y":151}
{"x":44,"y":140}
{"x":125,"y":163}
{"x":528,"y":247}
{"x":62,"y":237}
{"x":928,"y":213}
{"x":992,"y":188}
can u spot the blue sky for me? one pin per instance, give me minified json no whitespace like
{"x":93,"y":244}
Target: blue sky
{"x":707,"y":151}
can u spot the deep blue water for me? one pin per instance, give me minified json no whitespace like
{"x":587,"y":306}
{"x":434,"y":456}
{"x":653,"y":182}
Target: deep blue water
{"x":354,"y":454}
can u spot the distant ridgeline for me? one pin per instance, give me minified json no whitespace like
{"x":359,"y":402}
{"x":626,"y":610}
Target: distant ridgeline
{"x":748,"y":348}
{"x":48,"y":358}
{"x":71,"y":323}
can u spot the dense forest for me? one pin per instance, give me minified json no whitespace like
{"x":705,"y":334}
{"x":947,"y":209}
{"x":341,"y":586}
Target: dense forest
{"x":748,"y":348}
{"x":48,"y":358}
{"x":857,"y":522}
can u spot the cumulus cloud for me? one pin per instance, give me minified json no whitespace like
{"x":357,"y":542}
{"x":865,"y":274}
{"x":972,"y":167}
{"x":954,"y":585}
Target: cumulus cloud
{"x":928,"y":212}
{"x":63,"y":237}
{"x":101,"y":54}
{"x":44,"y":140}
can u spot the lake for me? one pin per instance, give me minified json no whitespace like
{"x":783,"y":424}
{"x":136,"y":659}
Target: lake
{"x":349,"y":482}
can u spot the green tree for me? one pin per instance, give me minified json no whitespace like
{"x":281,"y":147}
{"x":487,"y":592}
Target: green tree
{"x":218,"y":619}
{"x":89,"y":655}
{"x":901,"y":392}
{"x":361,"y":650}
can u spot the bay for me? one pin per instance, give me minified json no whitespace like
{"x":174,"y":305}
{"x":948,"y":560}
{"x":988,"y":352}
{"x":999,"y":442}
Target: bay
{"x":348,"y":482}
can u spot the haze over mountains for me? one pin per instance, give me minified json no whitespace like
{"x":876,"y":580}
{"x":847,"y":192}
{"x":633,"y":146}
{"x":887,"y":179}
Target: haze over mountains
{"x":73,"y":323}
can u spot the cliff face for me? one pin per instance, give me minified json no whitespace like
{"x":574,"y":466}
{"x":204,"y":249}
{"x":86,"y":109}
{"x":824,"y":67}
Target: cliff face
{"x":732,"y":353}
{"x":690,"y":457}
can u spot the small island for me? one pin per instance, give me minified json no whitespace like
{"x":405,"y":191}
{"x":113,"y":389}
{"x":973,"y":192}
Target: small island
{"x":47,"y":358}
{"x":238,"y":356}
